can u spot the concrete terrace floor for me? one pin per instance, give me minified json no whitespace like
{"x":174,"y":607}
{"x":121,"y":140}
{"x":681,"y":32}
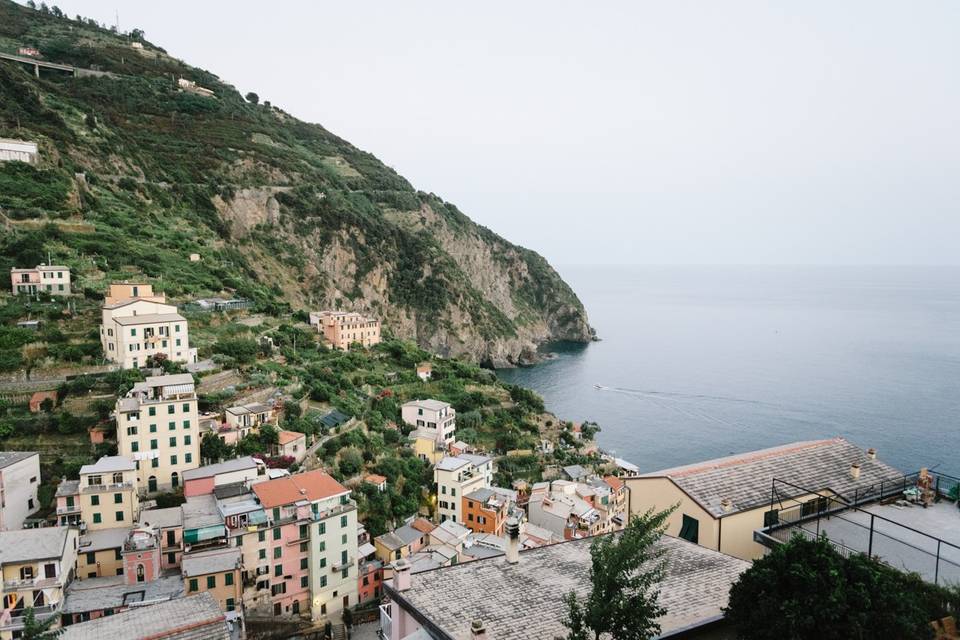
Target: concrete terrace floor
{"x":899,"y":546}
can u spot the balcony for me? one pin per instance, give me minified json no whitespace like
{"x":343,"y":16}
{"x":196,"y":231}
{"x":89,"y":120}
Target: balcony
{"x":386,"y":622}
{"x":340,"y":566}
{"x":28,"y":584}
{"x":13,"y":619}
{"x":63,"y":511}
{"x":101,"y":488}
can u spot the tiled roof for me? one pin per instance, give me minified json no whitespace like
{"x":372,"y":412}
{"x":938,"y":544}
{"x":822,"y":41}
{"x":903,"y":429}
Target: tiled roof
{"x":169,"y":380}
{"x":614,"y":482}
{"x":162,"y":518}
{"x":11,"y":457}
{"x":22,"y":545}
{"x":746,"y":479}
{"x":68,"y":488}
{"x":286,"y":437}
{"x":109,"y":464}
{"x":237,"y":464}
{"x":103,"y":539}
{"x":217,"y":561}
{"x":399,"y":537}
{"x":423,"y":525}
{"x":374,"y":478}
{"x":452,"y":463}
{"x":113,"y":592}
{"x":313,"y":485}
{"x":431,"y":405}
{"x":193,"y":618}
{"x":503,"y":595}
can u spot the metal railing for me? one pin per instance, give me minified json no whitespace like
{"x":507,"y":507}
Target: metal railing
{"x":851,"y":529}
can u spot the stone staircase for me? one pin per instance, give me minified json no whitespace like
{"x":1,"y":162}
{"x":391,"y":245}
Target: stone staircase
{"x":339,"y":632}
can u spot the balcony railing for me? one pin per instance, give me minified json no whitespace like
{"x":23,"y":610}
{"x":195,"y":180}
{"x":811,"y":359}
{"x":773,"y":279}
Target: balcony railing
{"x":99,"y":488}
{"x":68,"y":509}
{"x":12,"y":619}
{"x":30,"y":583}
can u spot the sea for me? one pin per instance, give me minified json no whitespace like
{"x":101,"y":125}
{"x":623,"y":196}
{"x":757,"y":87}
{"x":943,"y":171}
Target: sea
{"x":700,"y":362}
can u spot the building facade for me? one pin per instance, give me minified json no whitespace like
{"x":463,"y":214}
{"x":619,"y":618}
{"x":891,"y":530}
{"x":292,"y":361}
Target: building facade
{"x":108,"y":493}
{"x":340,"y":329}
{"x":157,"y":428}
{"x":51,"y":279}
{"x":19,"y":482}
{"x":13,"y":150}
{"x":134,"y":328}
{"x":457,"y":476}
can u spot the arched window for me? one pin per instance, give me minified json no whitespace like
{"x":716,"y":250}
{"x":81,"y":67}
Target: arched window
{"x":140,"y":576}
{"x":174,"y":480}
{"x":152,"y":484}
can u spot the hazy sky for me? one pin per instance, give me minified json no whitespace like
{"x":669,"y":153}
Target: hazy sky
{"x":631,"y":132}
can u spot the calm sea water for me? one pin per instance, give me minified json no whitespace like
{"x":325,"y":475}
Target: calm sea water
{"x":706,"y":361}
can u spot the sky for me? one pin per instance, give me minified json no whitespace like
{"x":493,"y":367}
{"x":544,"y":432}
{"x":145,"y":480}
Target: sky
{"x":668,"y":132}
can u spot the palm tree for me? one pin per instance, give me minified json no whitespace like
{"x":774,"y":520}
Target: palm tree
{"x":34,"y":629}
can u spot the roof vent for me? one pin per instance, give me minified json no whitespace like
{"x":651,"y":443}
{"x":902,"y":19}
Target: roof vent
{"x":726,"y":505}
{"x":872,"y":453}
{"x":855,"y":470}
{"x":477,"y":629}
{"x":303,"y":491}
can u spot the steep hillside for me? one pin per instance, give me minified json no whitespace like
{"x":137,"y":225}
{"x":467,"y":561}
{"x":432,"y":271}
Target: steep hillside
{"x":136,"y":174}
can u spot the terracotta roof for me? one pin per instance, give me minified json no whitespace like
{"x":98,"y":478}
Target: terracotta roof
{"x":374,"y":478}
{"x":423,"y":525}
{"x":286,"y":437}
{"x":313,"y":485}
{"x":615,"y":483}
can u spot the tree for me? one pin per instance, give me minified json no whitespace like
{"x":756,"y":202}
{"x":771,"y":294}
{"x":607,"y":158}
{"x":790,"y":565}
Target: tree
{"x":252,"y":98}
{"x":347,"y":617}
{"x":34,"y":629}
{"x":213,"y":449}
{"x":625,"y":574}
{"x":805,"y":588}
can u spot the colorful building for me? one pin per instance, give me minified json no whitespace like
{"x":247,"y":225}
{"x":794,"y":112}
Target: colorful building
{"x":51,"y":279}
{"x":340,"y":329}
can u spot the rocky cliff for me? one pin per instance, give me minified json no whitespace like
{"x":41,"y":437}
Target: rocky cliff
{"x":140,"y":168}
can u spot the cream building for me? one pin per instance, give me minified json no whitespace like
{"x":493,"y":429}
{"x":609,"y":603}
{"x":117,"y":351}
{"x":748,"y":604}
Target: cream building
{"x":44,"y":278}
{"x":455,"y":477}
{"x":108,"y":493}
{"x":37,"y":567}
{"x":142,"y":325}
{"x":340,"y":329}
{"x":721,"y":502}
{"x":157,"y":427}
{"x":433,"y":419}
{"x":19,"y":481}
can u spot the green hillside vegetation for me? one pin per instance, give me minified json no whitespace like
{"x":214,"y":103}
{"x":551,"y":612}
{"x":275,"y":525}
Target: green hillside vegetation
{"x":152,"y":172}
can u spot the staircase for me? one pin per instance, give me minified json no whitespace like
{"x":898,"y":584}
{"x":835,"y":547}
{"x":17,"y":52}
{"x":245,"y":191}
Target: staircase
{"x":338,"y":632}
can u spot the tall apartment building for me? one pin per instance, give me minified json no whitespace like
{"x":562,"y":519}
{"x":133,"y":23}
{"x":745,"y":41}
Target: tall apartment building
{"x":435,"y":421}
{"x":142,"y":325}
{"x":157,"y":428}
{"x":340,"y":329}
{"x":19,"y":481}
{"x":44,"y":278}
{"x":37,"y":567}
{"x":311,"y":512}
{"x":456,"y":477}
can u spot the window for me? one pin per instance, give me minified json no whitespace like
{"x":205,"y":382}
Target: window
{"x":690,"y":529}
{"x":152,"y":411}
{"x":131,"y":431}
{"x":171,"y":538}
{"x":278,"y":570}
{"x":343,"y":521}
{"x":343,"y":539}
{"x":277,"y":552}
{"x":453,"y":491}
{"x":322,"y":528}
{"x":133,"y":331}
{"x":186,"y":424}
{"x":323,"y":562}
{"x":304,"y":582}
{"x":171,"y":426}
{"x":323,"y":581}
{"x":178,"y":341}
{"x":771,"y":518}
{"x":194,"y":585}
{"x":228,"y":579}
{"x":171,"y":409}
{"x":304,"y":547}
{"x":343,"y":557}
{"x":261,"y":536}
{"x":153,"y":428}
{"x":176,"y":328}
{"x":173,"y":460}
{"x":186,"y":408}
{"x":303,"y":531}
{"x":155,"y":463}
{"x":69,"y":501}
{"x":91,"y":557}
{"x":188,"y":457}
{"x":153,"y":444}
{"x":262,"y":554}
{"x":344,"y":573}
{"x":97,"y":519}
{"x":118,"y":498}
{"x":186,"y":440}
{"x":230,"y":603}
{"x":173,"y":441}
{"x":117,"y":554}
{"x":94,"y":500}
{"x":303,"y":563}
{"x":140,"y":573}
{"x":276,"y":533}
{"x":119,"y":515}
{"x":171,"y":558}
{"x":134,"y":447}
{"x":211,"y":582}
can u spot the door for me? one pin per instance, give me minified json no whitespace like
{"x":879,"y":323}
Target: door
{"x":175,"y":480}
{"x":152,"y":484}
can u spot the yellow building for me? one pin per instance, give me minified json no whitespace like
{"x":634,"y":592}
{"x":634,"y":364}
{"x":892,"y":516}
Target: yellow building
{"x":100,"y":553}
{"x":340,"y":329}
{"x":720,"y":503}
{"x":108,"y":493}
{"x":425,"y":445}
{"x":157,"y":427}
{"x":216,"y":572}
{"x":37,"y":566}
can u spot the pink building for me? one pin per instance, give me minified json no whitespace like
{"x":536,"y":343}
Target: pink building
{"x":203,"y":480}
{"x":51,"y":279}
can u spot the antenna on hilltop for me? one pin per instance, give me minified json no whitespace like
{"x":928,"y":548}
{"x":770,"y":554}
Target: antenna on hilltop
{"x":117,"y":19}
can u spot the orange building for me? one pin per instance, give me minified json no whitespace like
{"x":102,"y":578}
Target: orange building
{"x":484,"y":511}
{"x":340,"y":329}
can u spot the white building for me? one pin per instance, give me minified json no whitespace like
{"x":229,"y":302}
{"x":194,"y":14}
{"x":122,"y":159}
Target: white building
{"x":19,"y":481}
{"x":12,"y":150}
{"x":455,"y":477}
{"x":158,"y":428}
{"x":432,"y":414}
{"x":136,"y":328}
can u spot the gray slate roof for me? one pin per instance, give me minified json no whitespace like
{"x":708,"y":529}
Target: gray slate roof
{"x":109,"y":464}
{"x":746,"y":479}
{"x":112,"y":592}
{"x":102,"y":539}
{"x":8,"y":458}
{"x":218,"y":561}
{"x":149,"y":318}
{"x":162,"y":518}
{"x":201,"y":511}
{"x":23,"y":545}
{"x":400,"y":537}
{"x":524,"y":601}
{"x":237,"y":464}
{"x":193,"y":618}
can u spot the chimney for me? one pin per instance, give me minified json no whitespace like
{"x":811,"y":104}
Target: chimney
{"x":477,"y":630}
{"x":855,"y":471}
{"x":726,"y":505}
{"x":872,"y":453}
{"x":513,"y":541}
{"x":401,"y":575}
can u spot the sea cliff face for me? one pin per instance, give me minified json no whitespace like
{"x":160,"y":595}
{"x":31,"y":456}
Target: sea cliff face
{"x":281,"y":211}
